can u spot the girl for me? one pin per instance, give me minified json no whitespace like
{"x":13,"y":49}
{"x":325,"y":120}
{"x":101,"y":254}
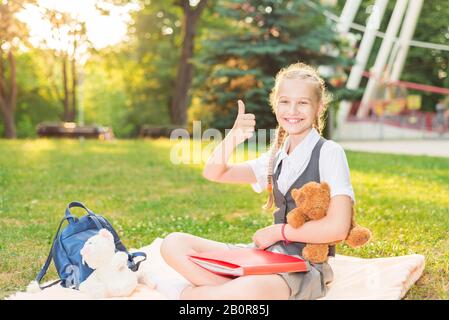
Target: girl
{"x":299,"y":155}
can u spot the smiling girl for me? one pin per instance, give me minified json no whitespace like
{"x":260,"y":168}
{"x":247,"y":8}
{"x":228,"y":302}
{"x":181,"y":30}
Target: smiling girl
{"x":298,"y":155}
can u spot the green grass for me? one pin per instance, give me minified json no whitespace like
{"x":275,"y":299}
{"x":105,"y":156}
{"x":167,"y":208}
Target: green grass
{"x":402,"y":199}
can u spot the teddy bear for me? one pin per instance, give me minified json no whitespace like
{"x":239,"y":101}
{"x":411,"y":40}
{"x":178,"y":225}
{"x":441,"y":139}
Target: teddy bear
{"x":312,"y":201}
{"x":111,"y":276}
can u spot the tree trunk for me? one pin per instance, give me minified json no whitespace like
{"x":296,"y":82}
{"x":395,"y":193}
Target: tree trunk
{"x":184,"y":77}
{"x":179,"y":105}
{"x":8,"y":100}
{"x":9,"y":123}
{"x":74,"y":84}
{"x":66,"y":116}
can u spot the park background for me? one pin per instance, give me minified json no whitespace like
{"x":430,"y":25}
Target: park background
{"x":142,"y":68}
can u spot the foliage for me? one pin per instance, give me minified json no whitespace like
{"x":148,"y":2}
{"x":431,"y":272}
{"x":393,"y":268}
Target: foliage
{"x":263,"y":37}
{"x":240,"y":45}
{"x":35,"y":102}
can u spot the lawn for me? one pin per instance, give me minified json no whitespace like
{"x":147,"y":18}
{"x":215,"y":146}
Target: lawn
{"x":402,"y":199}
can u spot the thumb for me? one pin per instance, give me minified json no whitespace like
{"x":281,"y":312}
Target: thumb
{"x":241,"y":107}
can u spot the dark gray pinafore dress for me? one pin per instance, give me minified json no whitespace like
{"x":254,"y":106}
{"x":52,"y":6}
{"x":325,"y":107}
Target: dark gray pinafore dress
{"x":304,"y":285}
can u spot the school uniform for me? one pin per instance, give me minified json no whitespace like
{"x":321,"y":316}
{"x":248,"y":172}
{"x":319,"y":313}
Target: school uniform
{"x":314,"y":159}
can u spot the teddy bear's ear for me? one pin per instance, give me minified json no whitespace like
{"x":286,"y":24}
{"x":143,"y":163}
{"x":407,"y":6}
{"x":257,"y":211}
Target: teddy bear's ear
{"x":325,"y":186}
{"x":106,"y":234}
{"x":295,"y":193}
{"x":298,"y":195}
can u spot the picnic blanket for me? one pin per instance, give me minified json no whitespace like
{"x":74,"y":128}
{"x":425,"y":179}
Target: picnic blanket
{"x":354,"y":278}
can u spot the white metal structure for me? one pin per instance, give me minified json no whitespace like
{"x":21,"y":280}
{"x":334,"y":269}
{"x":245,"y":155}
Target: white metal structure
{"x":391,"y":58}
{"x":410,"y":21}
{"x":382,"y":56}
{"x":366,"y":44}
{"x":348,"y":14}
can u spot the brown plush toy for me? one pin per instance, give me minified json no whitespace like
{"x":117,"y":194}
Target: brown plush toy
{"x":312,"y":202}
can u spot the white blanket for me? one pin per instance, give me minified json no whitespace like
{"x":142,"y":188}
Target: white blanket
{"x":354,"y":278}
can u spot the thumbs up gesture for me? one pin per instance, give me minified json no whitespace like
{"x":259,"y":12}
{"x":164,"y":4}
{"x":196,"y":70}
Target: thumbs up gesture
{"x":244,"y":124}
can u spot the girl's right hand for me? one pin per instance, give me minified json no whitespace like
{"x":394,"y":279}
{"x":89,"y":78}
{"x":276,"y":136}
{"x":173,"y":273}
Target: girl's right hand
{"x":244,"y":124}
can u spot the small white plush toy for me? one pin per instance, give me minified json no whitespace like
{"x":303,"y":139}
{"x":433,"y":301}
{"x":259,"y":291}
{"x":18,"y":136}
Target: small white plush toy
{"x":111,"y":276}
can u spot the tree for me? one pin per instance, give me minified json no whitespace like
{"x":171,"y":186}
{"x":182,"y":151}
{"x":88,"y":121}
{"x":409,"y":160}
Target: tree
{"x":148,"y":63}
{"x":12,"y":33}
{"x":69,"y":33}
{"x":36,"y":101}
{"x":152,"y":58}
{"x":179,"y":105}
{"x":263,"y":36}
{"x":108,"y":90}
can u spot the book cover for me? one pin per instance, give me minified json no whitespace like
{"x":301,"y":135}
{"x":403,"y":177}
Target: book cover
{"x":248,"y":261}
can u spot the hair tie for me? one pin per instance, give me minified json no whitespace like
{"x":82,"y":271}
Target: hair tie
{"x":286,"y":242}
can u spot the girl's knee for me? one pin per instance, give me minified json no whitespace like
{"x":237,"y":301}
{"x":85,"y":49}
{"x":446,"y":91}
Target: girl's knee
{"x":171,"y":243}
{"x":174,"y":237}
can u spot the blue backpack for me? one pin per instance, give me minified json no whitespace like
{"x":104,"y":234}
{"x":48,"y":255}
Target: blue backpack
{"x":66,"y":246}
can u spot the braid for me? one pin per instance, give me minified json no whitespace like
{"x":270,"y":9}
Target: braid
{"x":278,"y":141}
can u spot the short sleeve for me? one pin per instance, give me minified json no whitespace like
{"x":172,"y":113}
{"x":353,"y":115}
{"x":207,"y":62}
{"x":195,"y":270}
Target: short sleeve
{"x":334,"y":169}
{"x":260,"y":169}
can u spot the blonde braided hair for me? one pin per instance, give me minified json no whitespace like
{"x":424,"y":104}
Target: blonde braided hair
{"x":294,"y":71}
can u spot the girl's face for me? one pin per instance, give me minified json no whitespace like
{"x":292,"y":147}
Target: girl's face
{"x":297,"y":105}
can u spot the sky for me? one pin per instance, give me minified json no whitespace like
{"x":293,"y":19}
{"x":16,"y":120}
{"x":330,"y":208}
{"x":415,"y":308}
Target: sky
{"x":102,"y":30}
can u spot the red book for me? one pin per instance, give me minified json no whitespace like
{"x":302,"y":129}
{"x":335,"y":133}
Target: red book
{"x":248,"y":261}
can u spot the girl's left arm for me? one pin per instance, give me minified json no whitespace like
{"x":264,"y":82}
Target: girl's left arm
{"x":334,"y":227}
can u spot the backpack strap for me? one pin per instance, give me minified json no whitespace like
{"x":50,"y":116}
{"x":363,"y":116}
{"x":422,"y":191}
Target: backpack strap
{"x":71,"y":218}
{"x":49,"y":258}
{"x":135,"y":266}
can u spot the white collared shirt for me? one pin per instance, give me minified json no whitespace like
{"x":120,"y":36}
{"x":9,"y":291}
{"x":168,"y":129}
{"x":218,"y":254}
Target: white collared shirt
{"x":333,"y":166}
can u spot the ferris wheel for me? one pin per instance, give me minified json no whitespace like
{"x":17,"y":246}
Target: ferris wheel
{"x":384,"y":93}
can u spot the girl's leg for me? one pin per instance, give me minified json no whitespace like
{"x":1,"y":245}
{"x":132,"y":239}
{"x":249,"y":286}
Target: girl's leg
{"x":175,"y":248}
{"x":257,"y":287}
